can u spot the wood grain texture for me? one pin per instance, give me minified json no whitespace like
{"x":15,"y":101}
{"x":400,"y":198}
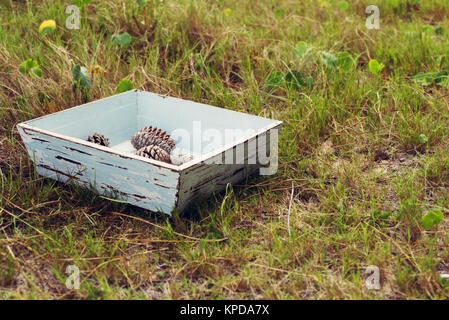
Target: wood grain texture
{"x":137,"y":182}
{"x":205,"y":178}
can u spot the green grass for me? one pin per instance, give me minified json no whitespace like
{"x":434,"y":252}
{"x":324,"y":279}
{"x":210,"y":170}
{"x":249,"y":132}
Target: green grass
{"x":362,"y":177}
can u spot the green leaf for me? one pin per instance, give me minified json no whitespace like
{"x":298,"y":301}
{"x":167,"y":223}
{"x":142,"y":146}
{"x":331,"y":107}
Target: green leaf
{"x":425,"y":79}
{"x":343,"y":5}
{"x":329,"y":60}
{"x":27,"y":65}
{"x":82,"y":77}
{"x":345,"y":60}
{"x":441,"y":78}
{"x":300,"y":49}
{"x":375,"y":67}
{"x":444,"y":82}
{"x":294,"y":79}
{"x":30,"y":64}
{"x":275,"y":79}
{"x":124,"y":85}
{"x":423,"y":138}
{"x":386,"y":214}
{"x":382,"y":214}
{"x":438,"y":216}
{"x":36,"y":71}
{"x":30,"y":67}
{"x":428,"y":29}
{"x":432,"y":218}
{"x":427,"y":222}
{"x":123,"y":40}
{"x":439,"y":31}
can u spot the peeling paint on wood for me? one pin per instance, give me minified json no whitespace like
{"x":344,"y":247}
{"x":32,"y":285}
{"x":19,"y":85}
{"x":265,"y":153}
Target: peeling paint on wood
{"x":57,"y":145}
{"x":105,"y":171}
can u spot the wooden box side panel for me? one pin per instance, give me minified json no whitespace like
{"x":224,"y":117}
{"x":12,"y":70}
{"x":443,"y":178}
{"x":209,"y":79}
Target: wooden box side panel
{"x":220,"y":176}
{"x":115,"y":117}
{"x":173,"y":113}
{"x":139,"y":183}
{"x":201,"y":180}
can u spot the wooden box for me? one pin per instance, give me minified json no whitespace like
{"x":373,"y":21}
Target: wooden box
{"x":208,"y":158}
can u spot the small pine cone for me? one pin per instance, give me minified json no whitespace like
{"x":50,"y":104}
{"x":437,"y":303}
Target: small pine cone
{"x":152,"y":136}
{"x":99,"y":139}
{"x":154,"y":152}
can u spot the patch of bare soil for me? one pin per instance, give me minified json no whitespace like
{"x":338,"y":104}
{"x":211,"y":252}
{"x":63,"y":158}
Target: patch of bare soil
{"x":394,"y":164}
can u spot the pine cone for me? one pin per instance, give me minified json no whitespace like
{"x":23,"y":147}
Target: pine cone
{"x":154,"y":152}
{"x":99,"y":139}
{"x":152,"y":136}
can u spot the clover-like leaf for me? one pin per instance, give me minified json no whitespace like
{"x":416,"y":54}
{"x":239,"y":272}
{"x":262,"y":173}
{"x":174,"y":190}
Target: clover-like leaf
{"x":275,"y":79}
{"x":27,"y":65}
{"x":36,"y":71}
{"x":432,"y":218}
{"x":294,"y":79}
{"x":375,"y":67}
{"x":329,"y":60}
{"x":309,"y":81}
{"x":343,"y":5}
{"x":423,"y":138}
{"x":300,"y":49}
{"x":123,"y":40}
{"x":439,"y":31}
{"x":124,"y":85}
{"x":30,"y":67}
{"x":345,"y":60}
{"x":81,"y":77}
{"x":428,"y":29}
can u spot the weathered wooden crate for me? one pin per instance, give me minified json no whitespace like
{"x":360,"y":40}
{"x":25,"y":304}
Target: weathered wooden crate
{"x":57,"y":145}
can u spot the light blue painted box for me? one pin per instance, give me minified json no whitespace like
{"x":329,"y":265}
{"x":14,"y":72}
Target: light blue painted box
{"x":214,"y":147}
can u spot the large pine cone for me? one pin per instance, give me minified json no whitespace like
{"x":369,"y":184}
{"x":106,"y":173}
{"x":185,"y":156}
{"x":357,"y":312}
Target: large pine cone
{"x":154,"y":152}
{"x":150,"y":136}
{"x":99,"y":139}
